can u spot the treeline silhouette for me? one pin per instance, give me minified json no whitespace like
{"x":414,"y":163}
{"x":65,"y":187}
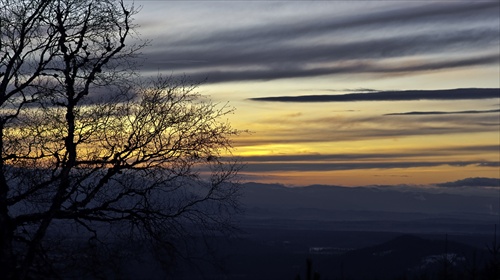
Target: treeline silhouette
{"x":410,"y":258}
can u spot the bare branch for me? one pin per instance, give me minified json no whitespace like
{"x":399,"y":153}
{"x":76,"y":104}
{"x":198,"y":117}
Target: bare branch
{"x":88,"y":146}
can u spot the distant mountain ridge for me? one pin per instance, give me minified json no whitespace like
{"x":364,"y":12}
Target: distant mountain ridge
{"x":366,"y":199}
{"x":278,"y":204}
{"x":473,"y":182}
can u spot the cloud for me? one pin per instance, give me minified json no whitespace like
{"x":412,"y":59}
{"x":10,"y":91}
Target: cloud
{"x":321,"y":166}
{"x":472,"y":182}
{"x":448,"y":94}
{"x":277,"y":54}
{"x":227,"y":64}
{"x":299,"y":69}
{"x":351,"y":90}
{"x":422,"y":38}
{"x":430,"y":14}
{"x":415,"y":153}
{"x":361,"y":127}
{"x":443,"y":113}
{"x":373,"y":160}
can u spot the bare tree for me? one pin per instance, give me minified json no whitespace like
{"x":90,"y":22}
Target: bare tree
{"x":87,"y":151}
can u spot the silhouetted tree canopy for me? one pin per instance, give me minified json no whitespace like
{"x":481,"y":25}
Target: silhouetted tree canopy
{"x":90,"y":152}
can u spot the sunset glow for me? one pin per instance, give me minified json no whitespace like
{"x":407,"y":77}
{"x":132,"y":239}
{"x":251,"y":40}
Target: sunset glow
{"x":254,"y":54}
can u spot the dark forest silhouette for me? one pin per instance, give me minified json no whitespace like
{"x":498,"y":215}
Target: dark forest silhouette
{"x":94,"y":157}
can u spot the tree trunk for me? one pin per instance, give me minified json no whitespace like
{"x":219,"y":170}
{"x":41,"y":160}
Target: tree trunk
{"x":7,"y":260}
{"x":59,"y":197}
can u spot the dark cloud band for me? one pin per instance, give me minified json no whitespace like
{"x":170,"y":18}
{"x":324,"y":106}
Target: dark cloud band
{"x":270,"y":167}
{"x":443,"y":113}
{"x":407,"y":95}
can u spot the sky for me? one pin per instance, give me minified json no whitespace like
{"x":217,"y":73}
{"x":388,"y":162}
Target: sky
{"x":342,"y":92}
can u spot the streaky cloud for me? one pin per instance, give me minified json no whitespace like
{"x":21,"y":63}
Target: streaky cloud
{"x":275,"y":53}
{"x":417,"y":153}
{"x":313,"y":166}
{"x":404,"y":95}
{"x":273,"y":61}
{"x":298,"y":70}
{"x":397,"y":39}
{"x":443,"y":112}
{"x":435,"y":13}
{"x":472,"y":182}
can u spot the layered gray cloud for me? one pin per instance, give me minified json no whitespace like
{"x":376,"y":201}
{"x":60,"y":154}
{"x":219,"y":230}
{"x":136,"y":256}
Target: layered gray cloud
{"x":277,"y":54}
{"x":434,"y":14}
{"x":299,"y":69}
{"x":463,"y":34}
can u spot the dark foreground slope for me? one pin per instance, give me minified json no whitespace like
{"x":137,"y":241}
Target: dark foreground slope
{"x":346,"y":256}
{"x":359,"y":233}
{"x":346,"y":233}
